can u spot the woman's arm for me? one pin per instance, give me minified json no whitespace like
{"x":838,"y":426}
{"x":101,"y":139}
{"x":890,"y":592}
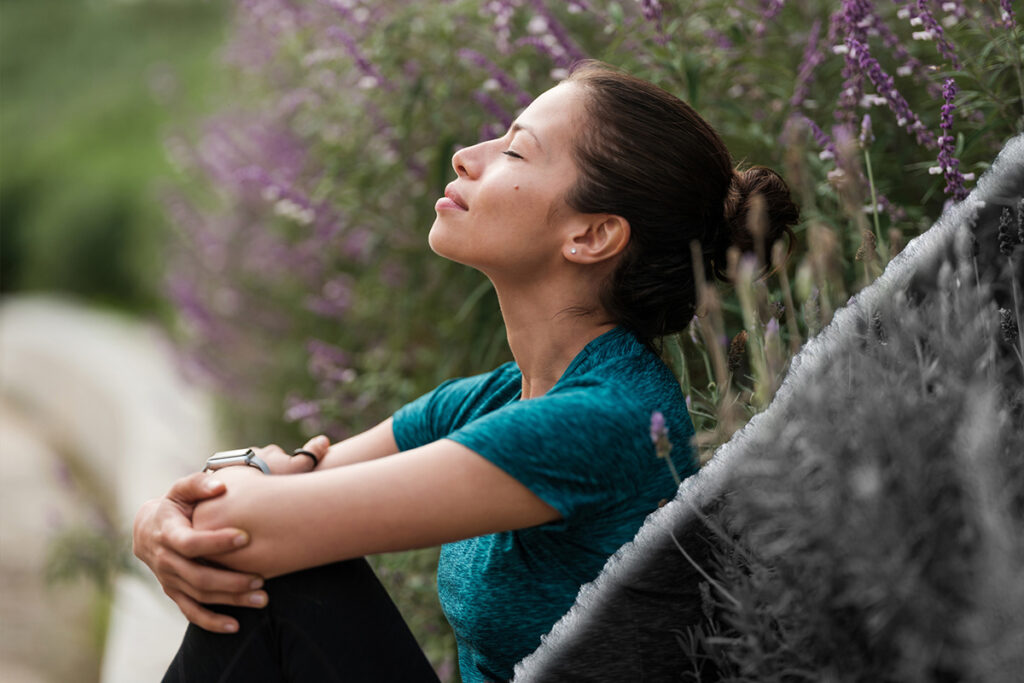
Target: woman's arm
{"x":430,"y":495}
{"x":374,"y":443}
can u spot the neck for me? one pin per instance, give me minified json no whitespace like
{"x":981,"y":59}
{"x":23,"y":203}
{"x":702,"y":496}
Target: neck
{"x":545,"y":331}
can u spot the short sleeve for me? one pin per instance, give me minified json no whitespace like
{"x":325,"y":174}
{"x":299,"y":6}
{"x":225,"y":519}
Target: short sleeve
{"x":452,"y":404}
{"x":421,"y":422}
{"x":576,"y":449}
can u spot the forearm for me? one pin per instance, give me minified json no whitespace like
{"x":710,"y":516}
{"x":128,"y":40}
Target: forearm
{"x":438,"y":493}
{"x":376,"y":442}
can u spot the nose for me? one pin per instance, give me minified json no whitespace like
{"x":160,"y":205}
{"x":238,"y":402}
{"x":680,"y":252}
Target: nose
{"x":466,"y":161}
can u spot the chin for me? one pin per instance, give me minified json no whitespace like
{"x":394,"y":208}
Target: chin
{"x":435,"y":238}
{"x":446,"y":243}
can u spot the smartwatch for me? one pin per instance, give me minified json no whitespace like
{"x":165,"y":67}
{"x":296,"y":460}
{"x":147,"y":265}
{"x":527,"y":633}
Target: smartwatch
{"x":241,"y":456}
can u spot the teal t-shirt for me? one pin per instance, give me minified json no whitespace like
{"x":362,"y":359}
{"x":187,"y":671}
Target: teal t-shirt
{"x":585,"y":449}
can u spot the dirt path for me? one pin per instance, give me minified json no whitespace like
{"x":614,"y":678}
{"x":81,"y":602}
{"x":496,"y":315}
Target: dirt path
{"x":94,"y":419}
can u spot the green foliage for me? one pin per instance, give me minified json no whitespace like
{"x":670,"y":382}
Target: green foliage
{"x":87,"y":88}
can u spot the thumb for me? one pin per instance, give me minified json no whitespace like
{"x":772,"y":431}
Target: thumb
{"x":195,"y":487}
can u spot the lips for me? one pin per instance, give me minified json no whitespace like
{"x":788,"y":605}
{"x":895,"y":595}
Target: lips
{"x":455,"y":197}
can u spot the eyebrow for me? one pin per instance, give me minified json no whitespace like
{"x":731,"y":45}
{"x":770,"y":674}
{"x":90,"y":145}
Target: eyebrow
{"x":516,"y":127}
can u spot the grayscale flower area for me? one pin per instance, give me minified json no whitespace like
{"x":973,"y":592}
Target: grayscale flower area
{"x":868,"y":525}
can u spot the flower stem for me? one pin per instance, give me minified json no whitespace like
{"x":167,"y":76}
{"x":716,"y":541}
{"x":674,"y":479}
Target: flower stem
{"x":883,"y":248}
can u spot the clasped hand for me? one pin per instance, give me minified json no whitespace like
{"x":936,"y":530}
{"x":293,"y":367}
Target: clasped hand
{"x":164,"y":539}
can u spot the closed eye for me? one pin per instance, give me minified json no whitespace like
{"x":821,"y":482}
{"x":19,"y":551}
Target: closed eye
{"x":512,"y":154}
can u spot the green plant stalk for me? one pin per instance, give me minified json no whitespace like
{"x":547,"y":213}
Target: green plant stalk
{"x":881,"y":247}
{"x":787,"y":294}
{"x":755,"y":343}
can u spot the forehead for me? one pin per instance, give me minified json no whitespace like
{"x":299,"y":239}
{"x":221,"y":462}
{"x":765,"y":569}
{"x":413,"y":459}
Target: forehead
{"x":555,"y":114}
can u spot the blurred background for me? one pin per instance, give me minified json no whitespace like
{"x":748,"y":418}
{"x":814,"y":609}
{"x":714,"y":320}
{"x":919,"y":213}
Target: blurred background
{"x":88,"y":377}
{"x":213,"y":221}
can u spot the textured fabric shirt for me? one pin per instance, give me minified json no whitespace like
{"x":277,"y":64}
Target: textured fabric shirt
{"x":585,"y":449}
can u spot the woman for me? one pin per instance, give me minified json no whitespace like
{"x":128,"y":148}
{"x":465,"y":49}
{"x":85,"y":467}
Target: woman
{"x":582,"y":216}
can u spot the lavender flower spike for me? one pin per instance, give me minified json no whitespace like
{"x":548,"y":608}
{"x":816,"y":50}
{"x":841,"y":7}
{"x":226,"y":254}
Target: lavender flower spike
{"x":886,"y":87}
{"x":1006,"y":14}
{"x":934,"y":31}
{"x":507,"y":83}
{"x":813,"y":56}
{"x":949,"y":165}
{"x":651,"y":9}
{"x":658,"y":428}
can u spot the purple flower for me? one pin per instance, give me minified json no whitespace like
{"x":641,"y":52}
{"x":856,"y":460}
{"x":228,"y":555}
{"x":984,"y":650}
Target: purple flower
{"x":492,"y":107}
{"x":924,"y":17}
{"x":719,"y":39}
{"x":651,"y":9}
{"x":852,"y":21}
{"x":908,"y":65}
{"x":559,"y":42}
{"x":659,"y":430}
{"x":1006,"y":15}
{"x":813,"y":56}
{"x":364,"y":64}
{"x":866,"y":136}
{"x":858,"y":52}
{"x":298,"y":409}
{"x":508,"y":84}
{"x":828,"y":148}
{"x":949,"y":165}
{"x":828,"y":151}
{"x":769,"y":10}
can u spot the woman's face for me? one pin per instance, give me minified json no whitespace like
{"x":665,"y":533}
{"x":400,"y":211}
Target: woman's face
{"x":505,"y":213}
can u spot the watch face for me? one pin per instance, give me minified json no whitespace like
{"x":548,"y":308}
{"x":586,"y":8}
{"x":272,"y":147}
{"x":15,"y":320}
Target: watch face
{"x":237,"y":453}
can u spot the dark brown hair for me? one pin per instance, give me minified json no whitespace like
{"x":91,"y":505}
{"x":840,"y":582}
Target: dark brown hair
{"x":647,"y":156}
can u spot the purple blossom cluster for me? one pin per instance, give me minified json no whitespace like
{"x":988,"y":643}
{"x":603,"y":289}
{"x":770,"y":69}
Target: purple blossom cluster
{"x":921,"y":16}
{"x":813,"y":56}
{"x":854,"y":20}
{"x":949,"y":165}
{"x":769,"y":11}
{"x":499,"y":77}
{"x":651,"y":9}
{"x":886,"y":87}
{"x":1006,"y":15}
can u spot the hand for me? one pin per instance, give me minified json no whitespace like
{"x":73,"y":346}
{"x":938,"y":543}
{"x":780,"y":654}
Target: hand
{"x":280,"y":462}
{"x":164,"y":539}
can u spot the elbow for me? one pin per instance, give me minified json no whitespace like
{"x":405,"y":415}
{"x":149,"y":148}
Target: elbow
{"x":215,"y":513}
{"x":229,"y":511}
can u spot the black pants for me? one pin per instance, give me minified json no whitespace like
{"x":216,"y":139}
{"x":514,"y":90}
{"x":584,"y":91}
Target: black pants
{"x":329,"y":624}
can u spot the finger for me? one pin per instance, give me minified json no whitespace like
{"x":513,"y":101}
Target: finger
{"x":311,"y":453}
{"x":202,"y":617}
{"x":194,"y":488}
{"x":186,"y":541}
{"x":252,"y":599}
{"x":319,"y":445}
{"x":198,"y":579}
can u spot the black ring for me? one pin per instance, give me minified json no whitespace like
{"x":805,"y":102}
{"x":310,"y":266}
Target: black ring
{"x":303,"y":451}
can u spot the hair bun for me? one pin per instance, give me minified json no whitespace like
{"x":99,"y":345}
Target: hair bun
{"x":746,"y":223}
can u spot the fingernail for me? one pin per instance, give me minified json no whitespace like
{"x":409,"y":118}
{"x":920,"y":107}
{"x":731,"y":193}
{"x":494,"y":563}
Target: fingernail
{"x":241,"y":539}
{"x":230,"y":627}
{"x":211,"y":484}
{"x":258,"y":599}
{"x":256,"y":584}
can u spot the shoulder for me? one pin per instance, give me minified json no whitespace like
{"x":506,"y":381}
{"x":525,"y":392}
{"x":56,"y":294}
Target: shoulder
{"x":452,"y":404}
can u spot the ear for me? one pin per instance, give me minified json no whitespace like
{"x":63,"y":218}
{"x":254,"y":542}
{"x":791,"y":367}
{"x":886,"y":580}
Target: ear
{"x":603,"y":237}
